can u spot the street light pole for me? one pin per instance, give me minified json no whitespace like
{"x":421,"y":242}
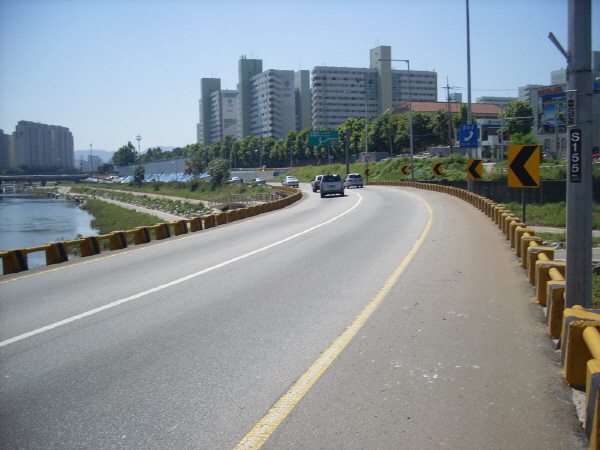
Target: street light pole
{"x":410,"y":120}
{"x":139,"y":138}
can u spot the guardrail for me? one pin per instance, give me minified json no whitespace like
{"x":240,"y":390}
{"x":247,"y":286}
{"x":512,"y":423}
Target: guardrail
{"x":15,"y":260}
{"x":576,"y":328}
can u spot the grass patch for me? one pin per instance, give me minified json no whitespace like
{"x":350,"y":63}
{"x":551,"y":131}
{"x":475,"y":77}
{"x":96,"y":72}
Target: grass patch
{"x":195,"y":189}
{"x":550,"y":214}
{"x":596,"y":291}
{"x":109,"y":217}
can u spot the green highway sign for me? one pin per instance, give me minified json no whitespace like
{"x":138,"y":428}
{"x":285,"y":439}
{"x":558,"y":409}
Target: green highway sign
{"x":320,"y":137}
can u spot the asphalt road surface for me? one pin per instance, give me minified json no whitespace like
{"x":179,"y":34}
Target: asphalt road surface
{"x":391,"y":318}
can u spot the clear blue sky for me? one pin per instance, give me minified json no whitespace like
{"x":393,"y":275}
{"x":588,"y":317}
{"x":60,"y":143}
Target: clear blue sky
{"x":110,"y":70}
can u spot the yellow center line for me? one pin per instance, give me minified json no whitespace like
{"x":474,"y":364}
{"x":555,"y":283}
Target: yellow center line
{"x":267,"y":425}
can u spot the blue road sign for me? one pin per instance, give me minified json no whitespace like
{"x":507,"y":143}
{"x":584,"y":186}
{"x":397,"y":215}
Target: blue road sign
{"x":468,"y":136}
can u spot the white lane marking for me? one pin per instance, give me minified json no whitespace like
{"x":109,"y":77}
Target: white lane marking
{"x":172,"y":283}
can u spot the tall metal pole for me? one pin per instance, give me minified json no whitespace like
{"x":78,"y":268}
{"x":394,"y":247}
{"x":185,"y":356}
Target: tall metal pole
{"x":91,"y":161}
{"x":139,"y":138}
{"x":579,"y":182}
{"x":469,"y":115}
{"x":501,"y":133}
{"x":556,"y":129}
{"x":449,"y":116}
{"x":410,"y":124}
{"x":366,"y":121}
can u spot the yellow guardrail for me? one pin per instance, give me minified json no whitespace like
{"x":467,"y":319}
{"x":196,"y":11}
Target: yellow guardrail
{"x":15,"y":260}
{"x":577,"y":328}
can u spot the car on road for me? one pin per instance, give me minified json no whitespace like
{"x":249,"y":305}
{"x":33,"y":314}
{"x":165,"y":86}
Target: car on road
{"x":316,"y":183}
{"x":236,"y":180}
{"x":332,"y":184}
{"x":290,"y":181}
{"x":353,"y":179}
{"x":260,"y":181}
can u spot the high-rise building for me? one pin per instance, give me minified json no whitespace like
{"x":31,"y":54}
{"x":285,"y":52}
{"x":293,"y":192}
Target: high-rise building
{"x":272,"y":104}
{"x":303,"y":100}
{"x":247,"y":68}
{"x":218,"y":112}
{"x":4,"y":155}
{"x":207,"y":87}
{"x":269,"y":104}
{"x":40,"y":146}
{"x":342,"y":92}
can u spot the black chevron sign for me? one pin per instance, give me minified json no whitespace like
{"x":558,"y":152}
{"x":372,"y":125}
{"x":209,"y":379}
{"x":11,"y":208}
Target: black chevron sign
{"x":438,"y":169}
{"x":405,"y":170}
{"x":524,"y":166}
{"x":474,"y":169}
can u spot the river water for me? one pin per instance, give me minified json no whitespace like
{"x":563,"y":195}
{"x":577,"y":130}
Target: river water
{"x":28,"y":220}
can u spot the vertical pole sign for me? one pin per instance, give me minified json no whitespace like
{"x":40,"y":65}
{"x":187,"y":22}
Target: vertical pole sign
{"x":575,"y":155}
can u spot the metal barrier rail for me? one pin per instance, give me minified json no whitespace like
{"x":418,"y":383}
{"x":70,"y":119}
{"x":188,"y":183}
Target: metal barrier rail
{"x":232,"y":198}
{"x":15,"y":260}
{"x":576,"y":328}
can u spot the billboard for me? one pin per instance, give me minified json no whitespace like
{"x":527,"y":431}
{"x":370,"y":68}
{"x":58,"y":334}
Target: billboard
{"x":551,"y":110}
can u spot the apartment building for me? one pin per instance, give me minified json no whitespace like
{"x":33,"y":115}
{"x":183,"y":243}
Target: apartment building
{"x":4,"y":154}
{"x":267,"y":103}
{"x":208,"y":87}
{"x":40,"y":146}
{"x":342,"y":92}
{"x":500,"y":101}
{"x":272,"y":103}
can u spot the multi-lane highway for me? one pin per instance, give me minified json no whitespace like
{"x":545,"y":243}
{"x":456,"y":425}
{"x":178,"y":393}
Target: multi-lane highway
{"x":389,"y":318}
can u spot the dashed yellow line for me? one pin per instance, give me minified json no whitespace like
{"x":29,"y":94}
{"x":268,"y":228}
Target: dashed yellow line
{"x":267,"y":425}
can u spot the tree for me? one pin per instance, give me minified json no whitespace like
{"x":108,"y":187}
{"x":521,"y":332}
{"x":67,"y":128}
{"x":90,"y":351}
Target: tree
{"x":423,"y":134}
{"x":195,"y":165}
{"x":106,"y":168}
{"x":522,"y":112}
{"x":523,"y":139}
{"x":125,"y":155}
{"x":461,"y":118}
{"x":439,"y":126}
{"x":381,"y":132}
{"x":218,"y":169}
{"x":139,"y":174}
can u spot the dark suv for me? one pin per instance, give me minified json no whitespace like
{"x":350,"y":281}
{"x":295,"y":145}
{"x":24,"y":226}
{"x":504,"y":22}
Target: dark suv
{"x":332,"y":184}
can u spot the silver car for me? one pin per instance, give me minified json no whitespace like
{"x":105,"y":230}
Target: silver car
{"x":353,"y":179}
{"x":290,"y":181}
{"x":316,"y":183}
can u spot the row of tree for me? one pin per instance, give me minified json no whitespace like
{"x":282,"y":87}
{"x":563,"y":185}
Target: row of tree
{"x":387,"y":133}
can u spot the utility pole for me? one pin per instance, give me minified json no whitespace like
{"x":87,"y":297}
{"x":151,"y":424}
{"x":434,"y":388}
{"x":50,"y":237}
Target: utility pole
{"x":579,"y":182}
{"x":469,"y":115}
{"x":449,"y":115}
